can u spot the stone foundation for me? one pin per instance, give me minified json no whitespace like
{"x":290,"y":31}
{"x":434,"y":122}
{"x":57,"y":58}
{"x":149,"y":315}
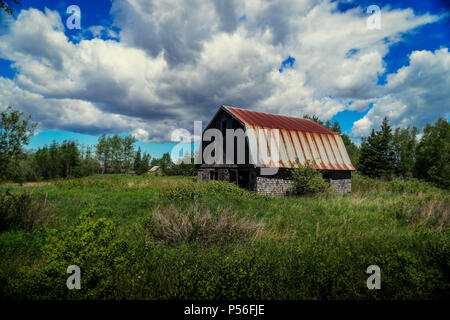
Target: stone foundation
{"x":273,"y":186}
{"x":341,"y":181}
{"x":281,"y":183}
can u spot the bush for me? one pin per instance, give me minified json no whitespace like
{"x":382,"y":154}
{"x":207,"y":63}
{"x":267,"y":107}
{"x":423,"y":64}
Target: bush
{"x":92,"y":245}
{"x":201,"y":189}
{"x":308,"y":180}
{"x":22,"y":211}
{"x":198,"y":225}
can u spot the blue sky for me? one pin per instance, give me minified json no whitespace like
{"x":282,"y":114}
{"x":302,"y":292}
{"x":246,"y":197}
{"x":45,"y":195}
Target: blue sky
{"x":148,"y":68}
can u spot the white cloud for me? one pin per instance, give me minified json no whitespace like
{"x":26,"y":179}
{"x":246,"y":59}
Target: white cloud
{"x":176,"y":63}
{"x":416,"y":94}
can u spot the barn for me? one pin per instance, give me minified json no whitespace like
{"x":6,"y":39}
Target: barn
{"x":284,"y":141}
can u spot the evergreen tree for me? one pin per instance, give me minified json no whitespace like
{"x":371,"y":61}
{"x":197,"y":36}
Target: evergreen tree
{"x":313,"y":118}
{"x":376,"y":152}
{"x":137,"y":160}
{"x":386,"y":149}
{"x":368,"y":155}
{"x":336,"y":127}
{"x":144,"y":165}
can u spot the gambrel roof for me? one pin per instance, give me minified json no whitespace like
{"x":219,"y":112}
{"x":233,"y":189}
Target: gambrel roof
{"x":300,"y":139}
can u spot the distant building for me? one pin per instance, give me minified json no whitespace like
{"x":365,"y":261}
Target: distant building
{"x":155,"y":169}
{"x":298,"y":139}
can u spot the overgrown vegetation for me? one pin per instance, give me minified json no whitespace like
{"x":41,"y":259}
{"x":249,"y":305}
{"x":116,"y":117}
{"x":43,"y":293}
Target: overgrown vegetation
{"x":198,"y":224}
{"x":203,"y":189}
{"x":169,"y":237}
{"x":146,"y":237}
{"x":308,"y":180}
{"x":22,"y":211}
{"x":387,"y":154}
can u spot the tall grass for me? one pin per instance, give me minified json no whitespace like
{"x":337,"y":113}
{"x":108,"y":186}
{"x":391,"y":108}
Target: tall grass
{"x":176,"y":238}
{"x":199,"y":225}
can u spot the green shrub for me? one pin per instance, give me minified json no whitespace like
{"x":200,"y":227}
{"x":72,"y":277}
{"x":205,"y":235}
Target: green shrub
{"x":308,"y":180}
{"x":201,"y":189}
{"x":93,"y":246}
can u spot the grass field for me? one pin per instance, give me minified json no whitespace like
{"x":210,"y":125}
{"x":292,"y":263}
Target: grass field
{"x":141,"y":237}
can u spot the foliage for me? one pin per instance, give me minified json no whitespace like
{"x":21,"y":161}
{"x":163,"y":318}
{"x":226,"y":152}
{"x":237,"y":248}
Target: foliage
{"x":404,"y":148}
{"x":364,"y":184}
{"x":6,"y":5}
{"x":183,"y":167}
{"x":115,"y":153}
{"x":308,"y":180}
{"x":202,"y":189}
{"x":376,"y":153}
{"x":15,"y":131}
{"x":433,"y":154}
{"x":165,"y":162}
{"x":21,"y":211}
{"x":309,"y":248}
{"x":57,"y":160}
{"x":141,"y":164}
{"x":92,"y":245}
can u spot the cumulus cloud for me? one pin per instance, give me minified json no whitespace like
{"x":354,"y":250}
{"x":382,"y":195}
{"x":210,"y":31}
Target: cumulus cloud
{"x":177,"y":62}
{"x":416,"y":94}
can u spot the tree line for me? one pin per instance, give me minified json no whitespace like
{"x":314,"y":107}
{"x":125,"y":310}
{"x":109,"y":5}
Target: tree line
{"x":403,"y":152}
{"x":111,"y":154}
{"x":385,"y":153}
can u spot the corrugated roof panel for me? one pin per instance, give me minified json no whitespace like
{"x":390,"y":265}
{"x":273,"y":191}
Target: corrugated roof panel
{"x":281,"y":148}
{"x":290,"y":149}
{"x":316,"y":158}
{"x":288,"y":154}
{"x":297,"y":146}
{"x":281,"y":140}
{"x":337,"y":153}
{"x":305,"y":147}
{"x":343,"y":151}
{"x":267,"y":120}
{"x":263,"y":148}
{"x":329,"y":151}
{"x":321,"y":149}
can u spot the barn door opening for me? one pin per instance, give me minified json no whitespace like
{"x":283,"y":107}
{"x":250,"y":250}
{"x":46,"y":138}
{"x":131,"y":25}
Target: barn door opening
{"x":243,"y":178}
{"x":234,"y":176}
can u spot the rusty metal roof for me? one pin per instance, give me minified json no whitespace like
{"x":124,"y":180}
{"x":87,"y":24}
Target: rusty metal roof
{"x":267,"y":120}
{"x":300,"y":139}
